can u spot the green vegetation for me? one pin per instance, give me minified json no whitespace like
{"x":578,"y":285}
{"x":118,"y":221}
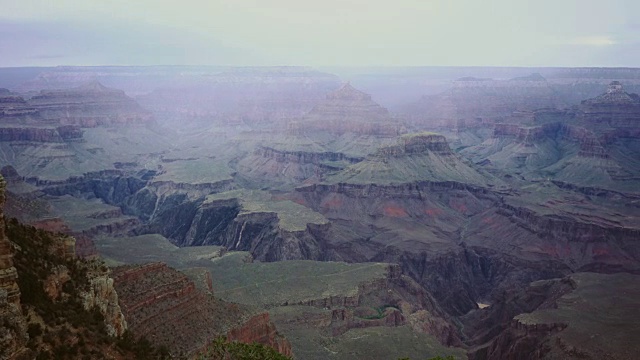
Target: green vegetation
{"x":195,"y":171}
{"x":379,"y":312}
{"x":363,"y":343}
{"x":295,"y":281}
{"x":221,"y":349}
{"x":58,"y":325}
{"x":83,"y":214}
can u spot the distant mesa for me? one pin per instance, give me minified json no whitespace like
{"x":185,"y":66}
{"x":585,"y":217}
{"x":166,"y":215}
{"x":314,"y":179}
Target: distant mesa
{"x":532,"y":77}
{"x":478,"y":102}
{"x":90,"y":105}
{"x":472,"y":78}
{"x":348,"y":92}
{"x":614,"y":95}
{"x":348,"y":110}
{"x":419,"y":143}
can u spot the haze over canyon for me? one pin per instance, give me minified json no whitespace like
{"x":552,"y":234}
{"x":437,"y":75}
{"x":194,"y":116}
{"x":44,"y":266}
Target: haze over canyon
{"x":328,"y":180}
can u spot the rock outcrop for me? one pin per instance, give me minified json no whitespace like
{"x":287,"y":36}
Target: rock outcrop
{"x":8,"y":272}
{"x":13,"y":325}
{"x":164,"y":306}
{"x":260,"y":329}
{"x":613,"y":109}
{"x":101,"y":295}
{"x":240,"y":225}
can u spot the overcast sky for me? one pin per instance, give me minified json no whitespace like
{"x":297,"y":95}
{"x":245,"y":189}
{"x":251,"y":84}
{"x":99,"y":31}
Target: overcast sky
{"x":320,"y":32}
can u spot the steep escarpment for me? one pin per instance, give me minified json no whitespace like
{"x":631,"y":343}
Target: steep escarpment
{"x":417,"y":225}
{"x":164,"y":306}
{"x":13,"y":324}
{"x":591,"y":240}
{"x":252,"y":221}
{"x":112,"y":202}
{"x":570,"y":318}
{"x":482,"y":326}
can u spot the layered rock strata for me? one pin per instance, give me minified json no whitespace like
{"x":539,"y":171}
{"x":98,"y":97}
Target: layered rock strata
{"x":90,"y":105}
{"x":350,"y":110}
{"x":164,"y":306}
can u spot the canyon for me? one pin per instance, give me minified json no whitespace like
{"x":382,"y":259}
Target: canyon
{"x":280,"y":206}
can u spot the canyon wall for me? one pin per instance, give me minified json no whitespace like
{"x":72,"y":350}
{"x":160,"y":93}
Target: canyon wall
{"x":13,"y":325}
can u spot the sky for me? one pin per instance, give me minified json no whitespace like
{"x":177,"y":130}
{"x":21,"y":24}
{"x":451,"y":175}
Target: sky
{"x":320,"y":32}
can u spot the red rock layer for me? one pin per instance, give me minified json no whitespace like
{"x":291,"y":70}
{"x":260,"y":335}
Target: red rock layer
{"x":166,"y":307}
{"x":260,"y":329}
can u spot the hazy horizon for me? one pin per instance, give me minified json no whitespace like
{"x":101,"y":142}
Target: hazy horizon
{"x":331,"y":33}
